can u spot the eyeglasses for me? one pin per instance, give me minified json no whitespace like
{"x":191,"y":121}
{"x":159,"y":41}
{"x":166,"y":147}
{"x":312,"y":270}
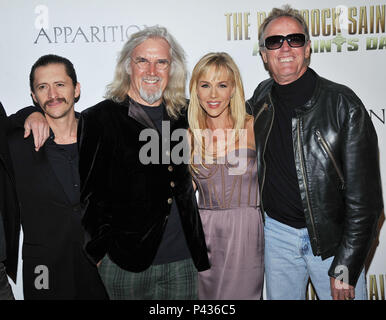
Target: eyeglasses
{"x":294,"y":40}
{"x":144,"y":64}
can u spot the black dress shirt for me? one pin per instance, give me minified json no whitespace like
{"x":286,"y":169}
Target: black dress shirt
{"x":64,"y":161}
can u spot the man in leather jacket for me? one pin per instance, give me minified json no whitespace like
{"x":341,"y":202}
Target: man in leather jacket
{"x":141,"y":217}
{"x":318,"y":170}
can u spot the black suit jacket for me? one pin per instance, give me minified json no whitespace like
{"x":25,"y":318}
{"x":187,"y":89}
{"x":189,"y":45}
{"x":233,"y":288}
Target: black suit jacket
{"x":53,"y":235}
{"x":9,"y":208}
{"x":9,"y":205}
{"x":126,"y":202}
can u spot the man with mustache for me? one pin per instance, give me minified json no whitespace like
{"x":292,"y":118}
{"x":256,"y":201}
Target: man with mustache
{"x":47,"y":184}
{"x":141,"y":219}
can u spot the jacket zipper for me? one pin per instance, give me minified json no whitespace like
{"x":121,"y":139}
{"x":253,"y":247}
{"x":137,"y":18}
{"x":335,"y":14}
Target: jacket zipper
{"x":326,"y":148}
{"x":265,"y":146}
{"x":306,"y":186}
{"x":260,"y":111}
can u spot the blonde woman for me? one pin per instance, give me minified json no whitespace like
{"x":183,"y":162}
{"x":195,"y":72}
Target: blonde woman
{"x":223,"y":165}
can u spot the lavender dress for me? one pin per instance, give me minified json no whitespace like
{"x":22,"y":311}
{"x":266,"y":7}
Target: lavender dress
{"x":232,"y":222}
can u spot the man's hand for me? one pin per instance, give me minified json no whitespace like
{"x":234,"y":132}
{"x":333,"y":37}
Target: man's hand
{"x":40,"y":129}
{"x":341,"y":290}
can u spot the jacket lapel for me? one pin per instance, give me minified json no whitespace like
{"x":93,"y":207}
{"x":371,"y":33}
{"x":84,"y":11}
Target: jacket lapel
{"x":137,"y":113}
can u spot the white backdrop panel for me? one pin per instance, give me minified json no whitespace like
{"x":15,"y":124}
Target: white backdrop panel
{"x":91,"y":33}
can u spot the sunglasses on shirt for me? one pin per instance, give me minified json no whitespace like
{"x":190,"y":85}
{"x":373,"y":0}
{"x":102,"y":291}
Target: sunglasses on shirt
{"x":294,"y":40}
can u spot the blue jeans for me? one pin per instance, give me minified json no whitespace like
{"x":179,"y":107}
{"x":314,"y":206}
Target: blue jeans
{"x":289,"y":262}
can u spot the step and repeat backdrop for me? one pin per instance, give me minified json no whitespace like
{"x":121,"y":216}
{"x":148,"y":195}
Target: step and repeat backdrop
{"x":348,"y":44}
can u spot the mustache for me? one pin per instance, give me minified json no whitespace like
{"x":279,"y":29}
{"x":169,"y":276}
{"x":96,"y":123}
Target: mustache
{"x":54,"y":100}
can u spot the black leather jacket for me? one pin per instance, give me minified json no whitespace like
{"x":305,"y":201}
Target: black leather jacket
{"x":337,"y":163}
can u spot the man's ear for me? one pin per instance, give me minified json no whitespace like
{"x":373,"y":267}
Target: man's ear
{"x":307,"y":52}
{"x":34,"y":98}
{"x":264,"y":55}
{"x":77,"y":90}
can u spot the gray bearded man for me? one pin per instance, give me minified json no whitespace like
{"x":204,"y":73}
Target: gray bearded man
{"x":143,"y":227}
{"x":318,"y":170}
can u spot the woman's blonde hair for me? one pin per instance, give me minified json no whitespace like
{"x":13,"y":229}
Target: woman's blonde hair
{"x":196,"y":114}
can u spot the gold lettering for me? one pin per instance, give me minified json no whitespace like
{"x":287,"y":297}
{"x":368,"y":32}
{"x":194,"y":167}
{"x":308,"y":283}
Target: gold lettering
{"x":326,"y":30}
{"x":228,"y":21}
{"x":382,"y":43}
{"x":382,"y":286}
{"x":371,"y":43}
{"x":352,"y":44}
{"x":352,"y":27}
{"x":260,"y":18}
{"x":312,"y":291}
{"x":316,"y":46}
{"x":380,"y":18}
{"x":371,"y":19}
{"x":325,"y":44}
{"x":246,"y":25}
{"x":237,"y":26}
{"x":362,"y":20}
{"x":373,"y":294}
{"x":335,"y":21}
{"x":306,"y":16}
{"x":310,"y":294}
{"x":315,"y":22}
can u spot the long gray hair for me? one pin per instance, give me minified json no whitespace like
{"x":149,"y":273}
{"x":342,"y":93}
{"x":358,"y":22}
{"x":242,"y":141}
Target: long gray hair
{"x":174,"y":95}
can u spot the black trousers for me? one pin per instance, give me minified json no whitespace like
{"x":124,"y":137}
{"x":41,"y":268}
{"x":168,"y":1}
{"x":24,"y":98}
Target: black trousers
{"x":5,"y":288}
{"x":67,"y":275}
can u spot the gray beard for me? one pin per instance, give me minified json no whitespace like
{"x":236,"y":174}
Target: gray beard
{"x":150,"y":98}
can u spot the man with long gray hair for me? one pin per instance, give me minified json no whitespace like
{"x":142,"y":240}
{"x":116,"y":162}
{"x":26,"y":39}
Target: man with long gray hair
{"x":141,"y":218}
{"x":318,"y":160}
